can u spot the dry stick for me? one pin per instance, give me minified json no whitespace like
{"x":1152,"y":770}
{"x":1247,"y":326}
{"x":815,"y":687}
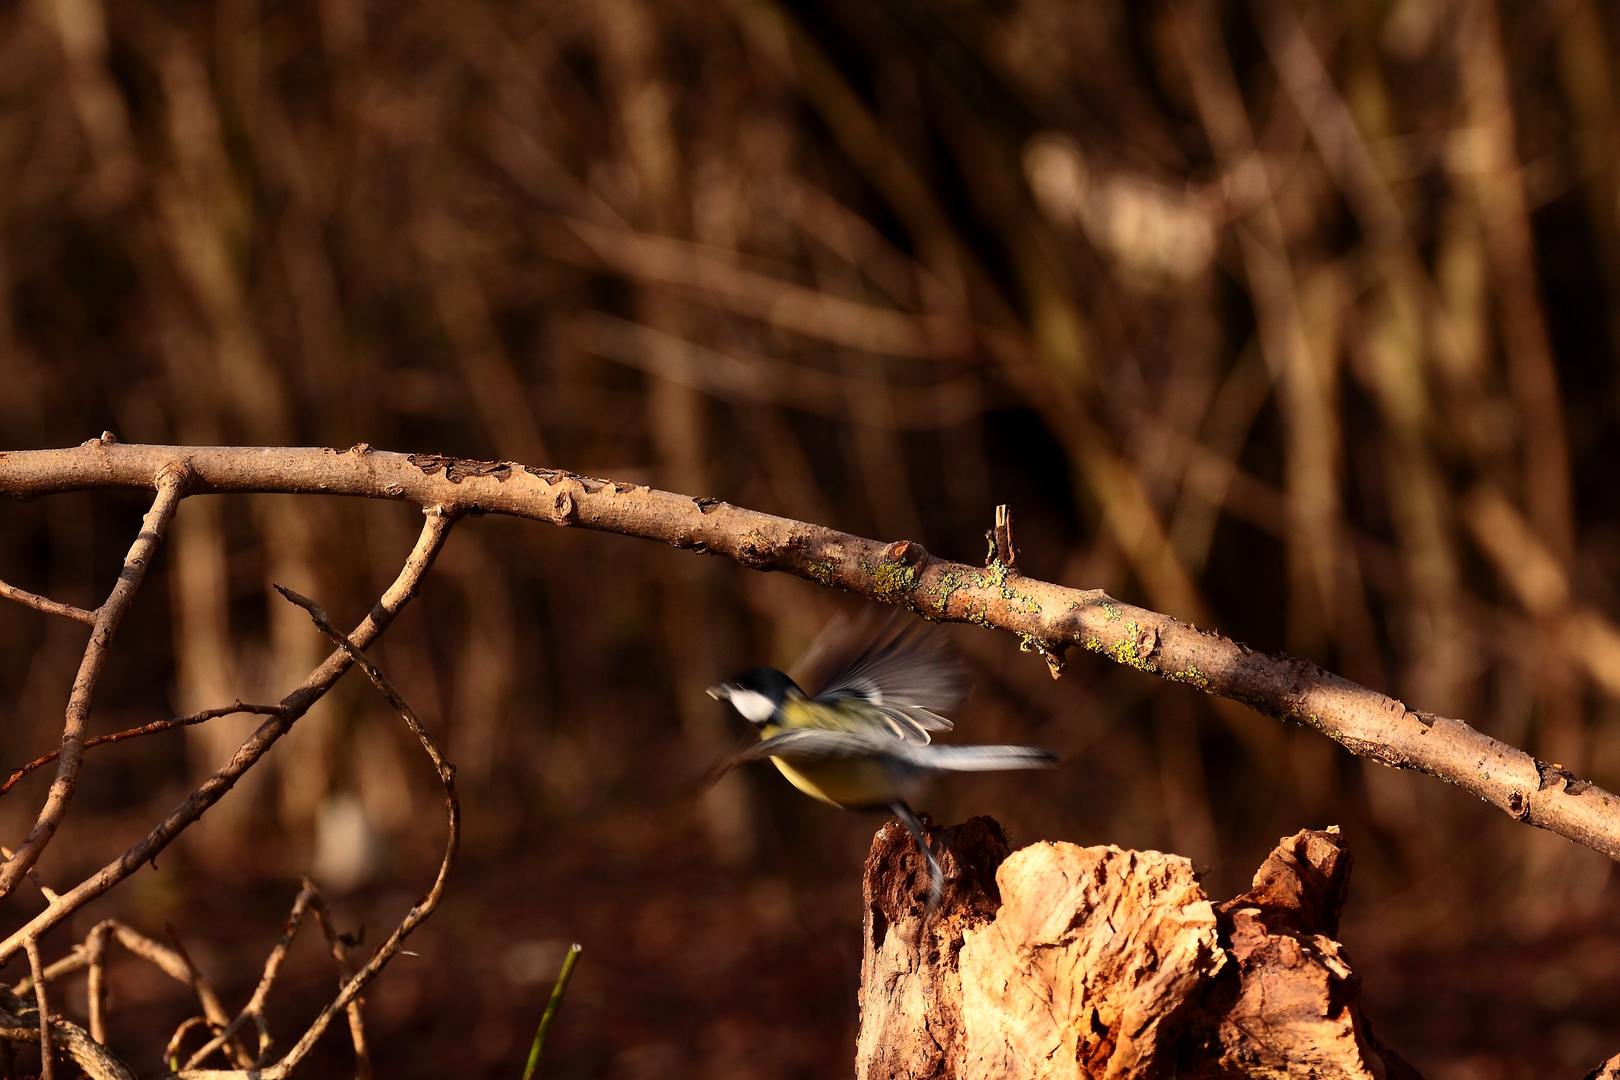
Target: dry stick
{"x":95,"y":992}
{"x":213,"y":1011}
{"x":47,"y":1060}
{"x":49,"y":607}
{"x":172,"y":962}
{"x":434,"y":532}
{"x":92,"y":955}
{"x":149,"y":729}
{"x":1044,"y":616}
{"x":87,"y":1054}
{"x":171,"y":1053}
{"x":272,"y":967}
{"x":39,"y":883}
{"x":340,"y":953}
{"x":425,"y":906}
{"x":170,"y":481}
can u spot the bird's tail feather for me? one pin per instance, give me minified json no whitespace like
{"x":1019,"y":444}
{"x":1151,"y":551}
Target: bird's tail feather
{"x":982,"y":758}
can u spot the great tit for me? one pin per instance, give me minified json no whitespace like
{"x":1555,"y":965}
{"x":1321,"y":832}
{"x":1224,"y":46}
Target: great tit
{"x":853,"y":728}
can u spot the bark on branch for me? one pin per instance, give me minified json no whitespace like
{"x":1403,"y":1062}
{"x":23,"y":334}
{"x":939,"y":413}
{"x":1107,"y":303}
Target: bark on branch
{"x":1047,"y":618}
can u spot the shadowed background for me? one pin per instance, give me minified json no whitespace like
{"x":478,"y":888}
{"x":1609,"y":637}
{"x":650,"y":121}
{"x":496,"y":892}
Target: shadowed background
{"x":1298,"y":322}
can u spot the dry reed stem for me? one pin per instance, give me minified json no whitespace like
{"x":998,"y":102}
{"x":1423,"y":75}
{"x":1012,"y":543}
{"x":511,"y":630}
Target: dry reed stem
{"x":1044,"y":616}
{"x":430,"y":541}
{"x":170,"y":483}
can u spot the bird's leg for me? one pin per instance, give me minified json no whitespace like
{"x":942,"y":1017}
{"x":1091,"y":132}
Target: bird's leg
{"x":936,"y":879}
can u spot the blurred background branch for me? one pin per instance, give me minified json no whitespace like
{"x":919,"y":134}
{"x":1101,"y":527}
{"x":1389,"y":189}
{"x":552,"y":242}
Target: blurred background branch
{"x":1296,"y":321}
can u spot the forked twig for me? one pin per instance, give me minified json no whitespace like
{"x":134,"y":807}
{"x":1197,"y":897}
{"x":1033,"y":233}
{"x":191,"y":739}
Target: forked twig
{"x":425,"y":906}
{"x":339,"y":946}
{"x":173,"y":962}
{"x":254,"y":1009}
{"x":435,"y":530}
{"x":171,"y":488}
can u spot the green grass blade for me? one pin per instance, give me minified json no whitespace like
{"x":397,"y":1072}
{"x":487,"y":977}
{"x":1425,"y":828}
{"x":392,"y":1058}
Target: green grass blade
{"x":557,"y":993}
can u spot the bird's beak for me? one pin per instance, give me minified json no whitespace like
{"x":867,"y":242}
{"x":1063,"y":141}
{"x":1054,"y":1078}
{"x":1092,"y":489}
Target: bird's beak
{"x":720,"y":692}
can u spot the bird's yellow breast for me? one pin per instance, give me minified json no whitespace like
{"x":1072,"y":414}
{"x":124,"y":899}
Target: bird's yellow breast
{"x":846,"y":782}
{"x":850,"y":782}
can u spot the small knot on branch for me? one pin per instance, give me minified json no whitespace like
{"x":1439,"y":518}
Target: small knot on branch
{"x":563,"y":510}
{"x":177,"y":473}
{"x":906,"y":553}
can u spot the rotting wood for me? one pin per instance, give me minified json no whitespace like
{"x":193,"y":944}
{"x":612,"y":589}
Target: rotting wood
{"x":1059,"y":962}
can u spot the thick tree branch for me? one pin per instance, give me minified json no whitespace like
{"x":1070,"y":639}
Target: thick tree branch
{"x":428,"y":544}
{"x":1045,"y":617}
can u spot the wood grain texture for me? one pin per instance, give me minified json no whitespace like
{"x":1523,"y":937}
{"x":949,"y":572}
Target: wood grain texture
{"x":1061,"y":962}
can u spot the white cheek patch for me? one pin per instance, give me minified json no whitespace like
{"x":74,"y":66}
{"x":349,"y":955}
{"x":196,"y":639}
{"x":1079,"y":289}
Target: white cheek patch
{"x":754,"y":706}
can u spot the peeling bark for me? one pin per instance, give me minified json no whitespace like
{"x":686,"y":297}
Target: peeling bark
{"x":1060,"y":962}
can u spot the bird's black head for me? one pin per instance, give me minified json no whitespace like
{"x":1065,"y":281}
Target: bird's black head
{"x":757,"y":693}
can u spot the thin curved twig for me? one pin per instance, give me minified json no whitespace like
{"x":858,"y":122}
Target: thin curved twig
{"x":1045,"y":617}
{"x":424,"y":907}
{"x":149,"y":729}
{"x":171,"y":1053}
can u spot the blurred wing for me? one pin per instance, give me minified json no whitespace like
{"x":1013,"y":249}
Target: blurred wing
{"x":808,"y":745}
{"x":897,"y":664}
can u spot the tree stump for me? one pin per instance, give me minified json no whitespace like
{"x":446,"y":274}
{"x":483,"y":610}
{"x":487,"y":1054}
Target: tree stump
{"x":1060,"y":962}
